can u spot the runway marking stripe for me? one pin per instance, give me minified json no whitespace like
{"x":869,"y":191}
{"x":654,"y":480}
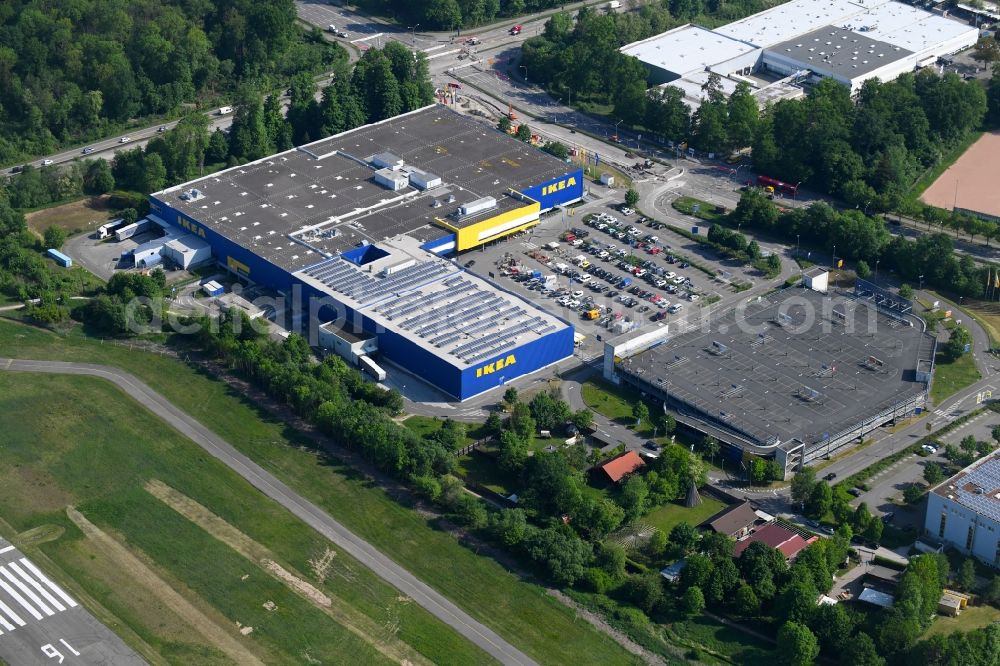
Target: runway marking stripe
{"x":52,"y":586}
{"x":35,"y":584}
{"x":19,"y":599}
{"x":27,"y":590}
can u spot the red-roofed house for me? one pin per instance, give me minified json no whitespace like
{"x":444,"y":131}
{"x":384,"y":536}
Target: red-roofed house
{"x":621,"y":466}
{"x":777,"y":536}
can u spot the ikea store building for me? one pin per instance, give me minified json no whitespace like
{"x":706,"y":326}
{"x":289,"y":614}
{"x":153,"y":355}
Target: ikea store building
{"x":356,"y":230}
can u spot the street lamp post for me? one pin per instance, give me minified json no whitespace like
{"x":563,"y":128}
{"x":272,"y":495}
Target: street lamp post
{"x":413,"y":35}
{"x":616,"y":130}
{"x":796,"y":190}
{"x":920,"y":284}
{"x":796,"y":245}
{"x":876,"y":270}
{"x":833,"y":258}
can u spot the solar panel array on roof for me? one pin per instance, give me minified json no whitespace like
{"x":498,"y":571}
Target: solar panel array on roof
{"x":984,"y":481}
{"x":341,"y":276}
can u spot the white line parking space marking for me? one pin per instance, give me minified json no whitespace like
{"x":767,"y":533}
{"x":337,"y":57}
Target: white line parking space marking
{"x":20,"y":600}
{"x":35,"y":584}
{"x":26,"y":591}
{"x":52,"y":586}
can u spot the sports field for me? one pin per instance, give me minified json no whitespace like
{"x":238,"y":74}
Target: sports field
{"x":183,"y":558}
{"x":971,"y":182}
{"x":521,"y":612}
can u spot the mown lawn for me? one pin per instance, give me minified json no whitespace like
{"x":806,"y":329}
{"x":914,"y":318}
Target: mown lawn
{"x":973,"y":617}
{"x":666,"y":516}
{"x":523,"y":613}
{"x":89,"y":445}
{"x":706,"y":210}
{"x":951,"y":377}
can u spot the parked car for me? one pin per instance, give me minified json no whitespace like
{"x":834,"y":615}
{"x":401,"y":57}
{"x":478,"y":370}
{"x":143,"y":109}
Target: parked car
{"x":830,"y":477}
{"x":124,"y":139}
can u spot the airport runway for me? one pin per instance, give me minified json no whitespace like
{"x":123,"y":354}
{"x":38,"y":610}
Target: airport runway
{"x":40,"y":623}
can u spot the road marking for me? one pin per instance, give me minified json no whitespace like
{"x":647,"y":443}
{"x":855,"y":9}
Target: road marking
{"x":13,"y":616}
{"x":52,"y":586}
{"x":27,"y":591}
{"x":19,"y":599}
{"x":8,"y":548}
{"x":35,"y":584}
{"x":362,"y":39}
{"x":445,"y":53}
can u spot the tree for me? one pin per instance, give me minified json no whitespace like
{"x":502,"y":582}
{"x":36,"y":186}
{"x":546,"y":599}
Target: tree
{"x":562,"y":556}
{"x":55,"y":237}
{"x":863,"y":270}
{"x":796,"y":601}
{"x":987,"y":50}
{"x":861,"y":651}
{"x":802,"y":484}
{"x":724,"y":580}
{"x":933,"y":474}
{"x":913,"y":493}
{"x":97,"y":177}
{"x":154,"y":173}
{"x":873,"y":532}
{"x":634,"y":496}
{"x":553,"y":487}
{"x":640,"y":412}
{"x":218,"y":147}
{"x":693,"y":601}
{"x":966,"y":577}
{"x":745,"y":602}
{"x":666,"y":423}
{"x":493,"y":424}
{"x":509,"y":526}
{"x":556,"y":149}
{"x":958,"y":343}
{"x":521,"y":422}
{"x":523,"y":132}
{"x":510,"y":396}
{"x":905,"y":291}
{"x":683,"y":536}
{"x":646,"y":591}
{"x":833,"y":626}
{"x":992,"y":593}
{"x":504,"y":124}
{"x":763,"y":568}
{"x":710,"y":447}
{"x":797,"y":645}
{"x":513,"y":452}
{"x":697,"y":572}
{"x":631,"y":198}
{"x":582,"y":418}
{"x":820,"y":501}
{"x":743,"y":116}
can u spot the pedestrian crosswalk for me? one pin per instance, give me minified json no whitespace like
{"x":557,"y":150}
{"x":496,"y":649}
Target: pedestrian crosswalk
{"x":529,"y":245}
{"x":26,"y":592}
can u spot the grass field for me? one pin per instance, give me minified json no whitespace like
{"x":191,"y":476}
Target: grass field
{"x":952,"y":377}
{"x":988,"y":316}
{"x":81,"y":215}
{"x":665,"y":517}
{"x":613,"y":402}
{"x":65,"y":456}
{"x":523,"y":613}
{"x":973,"y":617}
{"x":706,"y":210}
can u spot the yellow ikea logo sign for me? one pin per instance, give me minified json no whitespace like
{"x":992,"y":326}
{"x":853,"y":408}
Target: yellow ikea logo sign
{"x":498,"y":364}
{"x":191,"y":226}
{"x":237,"y":266}
{"x":557,"y":187}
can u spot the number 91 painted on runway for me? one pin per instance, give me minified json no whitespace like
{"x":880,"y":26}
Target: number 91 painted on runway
{"x":52,"y":653}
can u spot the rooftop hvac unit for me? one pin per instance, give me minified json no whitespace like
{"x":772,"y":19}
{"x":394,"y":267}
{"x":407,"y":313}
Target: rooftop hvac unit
{"x":477,"y":206}
{"x":436,"y":204}
{"x":451,"y":198}
{"x":386,"y":161}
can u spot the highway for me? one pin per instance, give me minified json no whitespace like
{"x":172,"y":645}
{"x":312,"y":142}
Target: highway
{"x":267,"y":483}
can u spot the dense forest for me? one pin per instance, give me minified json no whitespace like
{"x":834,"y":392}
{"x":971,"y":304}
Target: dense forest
{"x":73,"y":70}
{"x":383,"y":83}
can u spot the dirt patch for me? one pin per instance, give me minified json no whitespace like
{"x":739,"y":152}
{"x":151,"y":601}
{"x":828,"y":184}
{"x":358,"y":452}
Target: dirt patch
{"x":321,"y":565}
{"x":381,"y":638}
{"x":75,"y":216}
{"x":39,"y":535}
{"x":970,"y":183}
{"x":136,"y":569}
{"x":297,"y":584}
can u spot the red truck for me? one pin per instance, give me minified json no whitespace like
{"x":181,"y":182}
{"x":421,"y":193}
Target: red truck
{"x":516,"y":30}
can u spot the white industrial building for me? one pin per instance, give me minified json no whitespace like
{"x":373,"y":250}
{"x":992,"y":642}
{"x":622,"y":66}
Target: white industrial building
{"x":847,"y":40}
{"x":964,"y":511}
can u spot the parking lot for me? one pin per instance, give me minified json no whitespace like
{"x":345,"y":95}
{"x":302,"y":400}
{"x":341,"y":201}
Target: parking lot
{"x":604,"y":270}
